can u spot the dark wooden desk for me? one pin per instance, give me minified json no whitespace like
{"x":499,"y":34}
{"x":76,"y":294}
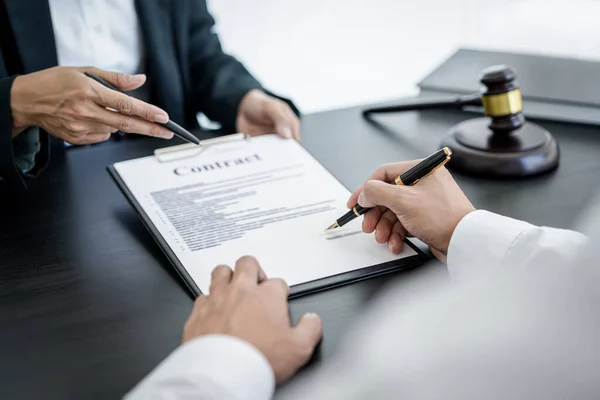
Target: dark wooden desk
{"x":89,"y":304}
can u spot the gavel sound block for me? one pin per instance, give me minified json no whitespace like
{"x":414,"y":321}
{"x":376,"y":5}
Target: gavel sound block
{"x":502,"y":144}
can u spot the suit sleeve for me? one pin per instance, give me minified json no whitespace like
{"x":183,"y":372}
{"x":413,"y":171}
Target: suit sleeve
{"x":219,"y":81}
{"x":9,"y":172}
{"x":22,"y":156}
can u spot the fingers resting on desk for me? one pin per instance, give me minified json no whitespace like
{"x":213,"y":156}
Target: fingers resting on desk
{"x":245,"y":304}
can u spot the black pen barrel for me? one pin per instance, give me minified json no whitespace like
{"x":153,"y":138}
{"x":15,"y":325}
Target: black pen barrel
{"x":170,"y":125}
{"x":181,"y":132}
{"x":351,"y":215}
{"x":422,"y":169}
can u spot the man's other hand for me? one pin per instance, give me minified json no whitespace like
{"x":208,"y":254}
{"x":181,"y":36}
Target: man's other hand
{"x":245,"y":304}
{"x":259,"y":113}
{"x":429,"y":210}
{"x":69,"y":105}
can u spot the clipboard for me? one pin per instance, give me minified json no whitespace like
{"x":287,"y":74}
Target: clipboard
{"x":179,"y":152}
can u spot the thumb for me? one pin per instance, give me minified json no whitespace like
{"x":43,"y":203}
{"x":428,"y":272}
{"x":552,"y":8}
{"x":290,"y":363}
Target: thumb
{"x":378,"y":193}
{"x":281,"y":121}
{"x":438,"y":254}
{"x":283,"y":130}
{"x":309,"y":331}
{"x":121,"y":80}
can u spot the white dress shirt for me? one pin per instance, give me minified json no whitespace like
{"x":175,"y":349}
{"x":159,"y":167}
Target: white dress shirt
{"x":105,"y":34}
{"x":483,"y":337}
{"x":100,"y":33}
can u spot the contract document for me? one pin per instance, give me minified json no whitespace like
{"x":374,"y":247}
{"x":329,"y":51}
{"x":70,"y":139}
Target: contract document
{"x":266,"y":197}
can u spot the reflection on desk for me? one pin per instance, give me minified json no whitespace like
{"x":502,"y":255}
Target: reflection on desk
{"x":89,"y":304}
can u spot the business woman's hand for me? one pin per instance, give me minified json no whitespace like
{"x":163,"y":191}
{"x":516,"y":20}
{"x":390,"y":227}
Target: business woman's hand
{"x":429,"y":210}
{"x":259,"y":113}
{"x":69,"y":105}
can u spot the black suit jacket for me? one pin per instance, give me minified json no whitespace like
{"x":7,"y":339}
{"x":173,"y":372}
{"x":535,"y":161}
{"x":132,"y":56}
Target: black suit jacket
{"x":186,"y":68}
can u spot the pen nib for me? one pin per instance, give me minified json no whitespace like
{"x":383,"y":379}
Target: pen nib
{"x":335,"y":225}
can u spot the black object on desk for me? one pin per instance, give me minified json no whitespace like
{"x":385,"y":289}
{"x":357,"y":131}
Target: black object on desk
{"x":505,"y":145}
{"x":89,"y":304}
{"x":170,"y":125}
{"x":554,"y":88}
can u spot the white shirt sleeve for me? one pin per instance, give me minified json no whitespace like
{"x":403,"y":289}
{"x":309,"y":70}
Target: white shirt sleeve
{"x":222,"y":367}
{"x":210,"y":367}
{"x":509,"y":337}
{"x":484,"y":243}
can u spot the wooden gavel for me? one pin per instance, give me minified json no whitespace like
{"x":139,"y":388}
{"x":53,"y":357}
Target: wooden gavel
{"x":500,"y":144}
{"x":501,"y":100}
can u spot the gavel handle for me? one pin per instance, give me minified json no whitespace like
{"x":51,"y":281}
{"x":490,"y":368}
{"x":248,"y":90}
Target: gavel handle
{"x":428,"y":104}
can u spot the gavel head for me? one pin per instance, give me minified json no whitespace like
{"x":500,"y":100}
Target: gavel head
{"x":501,"y":99}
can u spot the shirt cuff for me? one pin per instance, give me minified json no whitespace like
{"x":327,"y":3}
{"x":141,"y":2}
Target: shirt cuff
{"x":210,"y":367}
{"x":25,"y":148}
{"x":480,"y":244}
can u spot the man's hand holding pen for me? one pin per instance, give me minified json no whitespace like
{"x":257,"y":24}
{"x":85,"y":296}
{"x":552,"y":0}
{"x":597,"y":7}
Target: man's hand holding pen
{"x":429,"y":210}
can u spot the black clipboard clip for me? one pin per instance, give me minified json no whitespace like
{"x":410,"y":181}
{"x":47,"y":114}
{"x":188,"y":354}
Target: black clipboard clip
{"x":189,"y":150}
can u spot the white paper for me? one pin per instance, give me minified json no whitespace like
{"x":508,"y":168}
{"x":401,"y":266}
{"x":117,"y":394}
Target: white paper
{"x":266,"y":197}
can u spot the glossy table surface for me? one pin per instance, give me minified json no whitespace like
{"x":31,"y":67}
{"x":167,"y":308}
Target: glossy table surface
{"x":89,"y":304}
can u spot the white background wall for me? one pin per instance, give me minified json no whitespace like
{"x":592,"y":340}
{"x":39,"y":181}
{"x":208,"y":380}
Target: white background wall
{"x":334,"y":53}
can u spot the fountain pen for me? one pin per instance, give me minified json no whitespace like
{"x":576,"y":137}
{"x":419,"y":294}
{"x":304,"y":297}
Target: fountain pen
{"x":415,"y":174}
{"x":170,"y":125}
